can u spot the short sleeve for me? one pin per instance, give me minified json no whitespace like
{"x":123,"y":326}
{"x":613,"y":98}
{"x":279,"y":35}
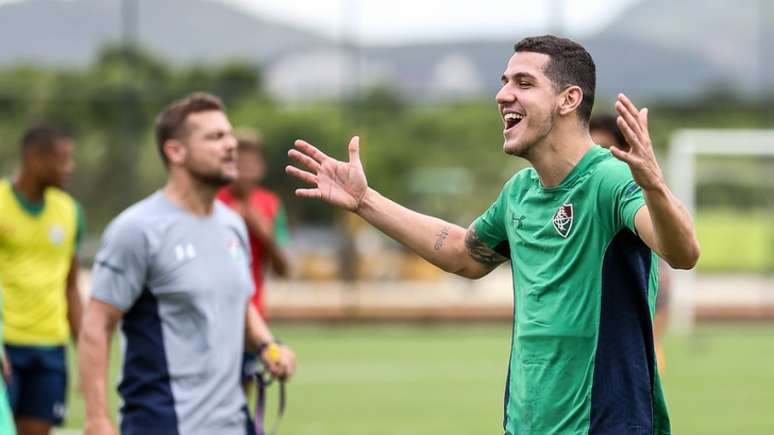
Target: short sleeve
{"x":120,"y":267}
{"x":621,"y":196}
{"x":490,"y":226}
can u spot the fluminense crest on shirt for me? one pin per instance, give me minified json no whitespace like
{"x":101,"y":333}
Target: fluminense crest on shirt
{"x":563,"y":220}
{"x":235,"y":249}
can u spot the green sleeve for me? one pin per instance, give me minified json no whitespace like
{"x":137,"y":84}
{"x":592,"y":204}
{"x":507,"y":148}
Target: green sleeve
{"x":80,"y":229}
{"x":631,"y":200}
{"x":490,"y":226}
{"x":281,"y":233}
{"x":621,"y":196}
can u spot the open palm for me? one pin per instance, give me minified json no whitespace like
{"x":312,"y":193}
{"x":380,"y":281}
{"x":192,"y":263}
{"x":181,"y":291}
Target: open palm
{"x":640,"y":156}
{"x":340,"y":183}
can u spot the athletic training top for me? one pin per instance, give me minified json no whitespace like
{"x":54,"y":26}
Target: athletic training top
{"x":582,"y":359}
{"x":37,"y":244}
{"x":183,"y":283}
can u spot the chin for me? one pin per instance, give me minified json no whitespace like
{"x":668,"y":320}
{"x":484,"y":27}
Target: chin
{"x":214,"y":180}
{"x":513,"y":149}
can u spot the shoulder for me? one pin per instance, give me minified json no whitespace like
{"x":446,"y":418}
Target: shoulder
{"x":225,"y":214}
{"x":610,"y":171}
{"x":60,"y":198}
{"x":228,"y":217}
{"x":135,"y":220}
{"x":520,"y":181}
{"x":526,"y":175}
{"x":266,"y":196}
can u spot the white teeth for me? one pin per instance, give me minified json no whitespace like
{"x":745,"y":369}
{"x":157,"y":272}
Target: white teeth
{"x":513,"y":116}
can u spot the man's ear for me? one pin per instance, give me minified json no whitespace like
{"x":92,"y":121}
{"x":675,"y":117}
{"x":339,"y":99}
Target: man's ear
{"x":570,"y":99}
{"x":175,"y":151}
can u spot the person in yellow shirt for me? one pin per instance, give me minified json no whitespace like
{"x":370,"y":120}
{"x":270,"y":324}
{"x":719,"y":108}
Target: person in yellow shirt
{"x":40,"y":229}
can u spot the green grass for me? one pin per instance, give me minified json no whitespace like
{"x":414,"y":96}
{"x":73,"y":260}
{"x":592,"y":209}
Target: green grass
{"x":448,"y":379}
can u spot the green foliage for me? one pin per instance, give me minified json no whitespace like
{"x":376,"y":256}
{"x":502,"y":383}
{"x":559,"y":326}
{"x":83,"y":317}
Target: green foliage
{"x":110,"y":108}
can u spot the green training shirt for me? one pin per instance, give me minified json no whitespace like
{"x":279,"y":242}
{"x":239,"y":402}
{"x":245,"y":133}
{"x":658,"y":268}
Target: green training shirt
{"x":584,"y":285}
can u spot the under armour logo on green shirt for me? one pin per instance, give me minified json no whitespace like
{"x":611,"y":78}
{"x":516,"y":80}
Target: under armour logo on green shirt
{"x":517,"y":221}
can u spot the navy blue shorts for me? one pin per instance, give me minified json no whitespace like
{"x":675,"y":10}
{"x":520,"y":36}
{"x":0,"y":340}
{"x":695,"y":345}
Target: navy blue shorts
{"x":38,"y":384}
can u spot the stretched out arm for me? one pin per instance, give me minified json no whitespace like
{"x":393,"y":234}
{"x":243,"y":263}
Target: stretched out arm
{"x":664,"y":224}
{"x":448,"y":246}
{"x":99,"y":322}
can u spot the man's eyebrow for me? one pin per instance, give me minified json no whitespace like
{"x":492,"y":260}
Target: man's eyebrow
{"x":518,"y":76}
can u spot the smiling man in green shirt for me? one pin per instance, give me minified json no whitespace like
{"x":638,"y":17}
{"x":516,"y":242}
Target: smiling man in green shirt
{"x":580,"y":228}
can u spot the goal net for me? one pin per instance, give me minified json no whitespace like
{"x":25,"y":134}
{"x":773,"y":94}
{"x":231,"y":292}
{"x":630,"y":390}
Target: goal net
{"x":725,"y":178}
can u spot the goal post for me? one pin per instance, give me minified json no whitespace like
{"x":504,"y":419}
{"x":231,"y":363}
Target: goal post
{"x":684,"y":148}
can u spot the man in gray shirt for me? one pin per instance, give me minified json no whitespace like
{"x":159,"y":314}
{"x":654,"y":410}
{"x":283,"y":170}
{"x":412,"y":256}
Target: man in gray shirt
{"x":174,"y":270}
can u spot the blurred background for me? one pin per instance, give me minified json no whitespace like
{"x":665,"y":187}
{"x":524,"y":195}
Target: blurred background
{"x":388,"y":344}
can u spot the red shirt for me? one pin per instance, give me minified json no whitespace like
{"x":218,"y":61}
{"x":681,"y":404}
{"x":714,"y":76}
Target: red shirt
{"x":268,"y":205}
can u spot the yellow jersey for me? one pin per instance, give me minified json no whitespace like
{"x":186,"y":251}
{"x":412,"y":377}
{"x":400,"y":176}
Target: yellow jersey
{"x":37,"y":244}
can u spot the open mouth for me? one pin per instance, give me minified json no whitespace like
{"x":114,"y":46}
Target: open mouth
{"x":512,"y":119}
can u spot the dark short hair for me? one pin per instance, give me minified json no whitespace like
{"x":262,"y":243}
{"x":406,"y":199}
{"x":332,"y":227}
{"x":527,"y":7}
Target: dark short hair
{"x":609,"y":124}
{"x":42,"y":138}
{"x":570,"y":64}
{"x":249,"y":140}
{"x":170,"y":124}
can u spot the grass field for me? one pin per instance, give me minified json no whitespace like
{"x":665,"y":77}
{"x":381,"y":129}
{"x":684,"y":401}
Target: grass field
{"x":448,"y":379}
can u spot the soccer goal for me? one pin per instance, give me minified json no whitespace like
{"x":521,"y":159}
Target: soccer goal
{"x":741,"y":159}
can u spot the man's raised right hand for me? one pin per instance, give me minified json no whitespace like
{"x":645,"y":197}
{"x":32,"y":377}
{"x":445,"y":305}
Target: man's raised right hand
{"x":340,"y":183}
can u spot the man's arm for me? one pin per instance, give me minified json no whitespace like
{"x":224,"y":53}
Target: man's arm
{"x":279,"y":359}
{"x":448,"y":246}
{"x":664,"y":224}
{"x":99,"y":322}
{"x":74,"y":303}
{"x":257,"y":333}
{"x":261,"y":228}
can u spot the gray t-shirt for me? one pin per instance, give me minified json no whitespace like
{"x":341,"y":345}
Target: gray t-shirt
{"x":183,"y":283}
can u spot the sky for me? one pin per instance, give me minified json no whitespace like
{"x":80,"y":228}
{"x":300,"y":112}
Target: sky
{"x":396,"y":21}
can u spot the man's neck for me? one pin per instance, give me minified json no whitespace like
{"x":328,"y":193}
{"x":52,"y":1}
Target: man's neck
{"x":558,"y":154}
{"x":30,"y":188}
{"x":190,"y":194}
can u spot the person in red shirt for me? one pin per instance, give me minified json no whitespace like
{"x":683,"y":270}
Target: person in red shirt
{"x":264,"y":217}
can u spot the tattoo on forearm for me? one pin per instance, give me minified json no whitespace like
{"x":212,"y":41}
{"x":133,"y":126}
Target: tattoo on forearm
{"x":441,"y":238}
{"x":480,"y":252}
